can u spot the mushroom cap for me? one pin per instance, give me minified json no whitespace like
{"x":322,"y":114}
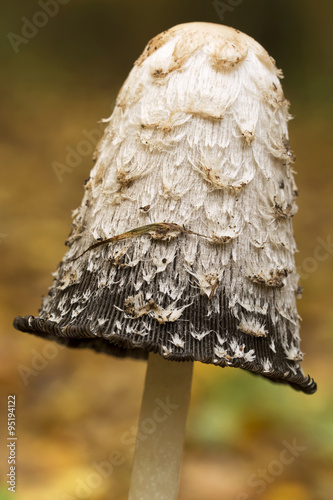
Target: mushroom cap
{"x":183,"y":244}
{"x":231,"y":44}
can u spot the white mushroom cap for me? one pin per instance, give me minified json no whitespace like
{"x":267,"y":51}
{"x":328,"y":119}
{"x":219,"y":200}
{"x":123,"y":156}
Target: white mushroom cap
{"x":193,"y":189}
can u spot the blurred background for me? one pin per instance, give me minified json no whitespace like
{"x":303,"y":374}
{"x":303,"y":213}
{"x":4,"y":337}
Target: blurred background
{"x":58,"y":80}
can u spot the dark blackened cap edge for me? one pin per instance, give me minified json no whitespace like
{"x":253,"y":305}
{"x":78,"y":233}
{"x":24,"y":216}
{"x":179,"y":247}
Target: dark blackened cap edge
{"x":79,"y":337}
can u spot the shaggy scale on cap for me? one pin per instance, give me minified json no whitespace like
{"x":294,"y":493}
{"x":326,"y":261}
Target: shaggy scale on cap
{"x":183,"y":244}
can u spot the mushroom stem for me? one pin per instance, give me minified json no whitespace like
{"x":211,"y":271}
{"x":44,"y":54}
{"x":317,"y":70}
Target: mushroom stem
{"x":161,"y":430}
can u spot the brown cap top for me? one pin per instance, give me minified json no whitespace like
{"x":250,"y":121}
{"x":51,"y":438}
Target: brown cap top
{"x":230,"y":46}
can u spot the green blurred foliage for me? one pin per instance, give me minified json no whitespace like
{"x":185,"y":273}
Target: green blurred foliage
{"x":72,"y":411}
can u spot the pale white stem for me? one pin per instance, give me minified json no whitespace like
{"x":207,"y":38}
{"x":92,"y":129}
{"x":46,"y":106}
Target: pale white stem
{"x":161,"y":430}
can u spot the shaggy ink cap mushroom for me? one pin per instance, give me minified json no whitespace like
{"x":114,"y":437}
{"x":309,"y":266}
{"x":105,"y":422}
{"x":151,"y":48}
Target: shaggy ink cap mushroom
{"x":183,"y":244}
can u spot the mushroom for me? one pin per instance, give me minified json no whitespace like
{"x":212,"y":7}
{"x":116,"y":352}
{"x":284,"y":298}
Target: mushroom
{"x":183,"y":247}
